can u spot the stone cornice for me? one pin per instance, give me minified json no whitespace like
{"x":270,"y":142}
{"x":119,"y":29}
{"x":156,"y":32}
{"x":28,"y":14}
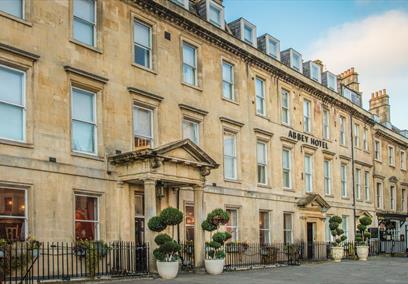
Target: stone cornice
{"x":86,"y":74}
{"x":390,"y":136}
{"x":231,"y":121}
{"x":19,"y":52}
{"x":193,"y":109}
{"x":250,"y":55}
{"x":364,"y":164}
{"x":263,"y":132}
{"x":145,"y":94}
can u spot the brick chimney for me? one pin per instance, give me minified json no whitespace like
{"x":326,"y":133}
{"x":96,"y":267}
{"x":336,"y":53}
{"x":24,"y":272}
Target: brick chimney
{"x":349,"y":78}
{"x":380,"y":105}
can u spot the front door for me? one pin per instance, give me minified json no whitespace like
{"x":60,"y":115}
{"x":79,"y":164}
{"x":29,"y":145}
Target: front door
{"x":310,"y":239}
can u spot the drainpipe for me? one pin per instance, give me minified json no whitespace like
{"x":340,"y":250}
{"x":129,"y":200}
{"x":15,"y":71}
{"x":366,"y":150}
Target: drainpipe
{"x":353,"y":173}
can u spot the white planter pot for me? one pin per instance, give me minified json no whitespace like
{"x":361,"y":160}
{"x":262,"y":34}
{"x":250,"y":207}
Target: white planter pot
{"x":167,"y":270}
{"x":337,"y":253}
{"x":214,"y":266}
{"x":362,"y":252}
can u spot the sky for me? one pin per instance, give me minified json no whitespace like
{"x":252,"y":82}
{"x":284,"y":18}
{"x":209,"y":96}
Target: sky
{"x":370,"y":35}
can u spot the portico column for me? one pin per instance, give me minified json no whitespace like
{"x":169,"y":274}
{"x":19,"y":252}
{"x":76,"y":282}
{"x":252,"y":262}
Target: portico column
{"x":198,"y":231}
{"x":150,"y":211}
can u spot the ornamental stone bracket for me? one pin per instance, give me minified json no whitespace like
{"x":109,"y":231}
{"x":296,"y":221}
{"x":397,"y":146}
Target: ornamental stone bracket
{"x":181,"y":162}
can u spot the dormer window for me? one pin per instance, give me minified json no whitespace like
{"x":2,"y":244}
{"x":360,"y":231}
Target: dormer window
{"x":273,"y":48}
{"x":315,"y":72}
{"x":296,"y":61}
{"x":248,"y":34}
{"x":269,"y":45}
{"x":215,"y":14}
{"x":244,"y":30}
{"x":183,"y":3}
{"x":331,"y":81}
{"x":293,"y":59}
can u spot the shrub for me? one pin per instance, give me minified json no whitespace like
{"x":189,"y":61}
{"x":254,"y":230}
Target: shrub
{"x":364,"y":236}
{"x":216,"y":218}
{"x":155,"y":224}
{"x":337,"y":233}
{"x":171,"y":216}
{"x":162,"y":238}
{"x":168,"y":249}
{"x":207,"y":226}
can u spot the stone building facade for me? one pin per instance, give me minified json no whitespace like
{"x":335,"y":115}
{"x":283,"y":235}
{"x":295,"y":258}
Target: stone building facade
{"x":114,"y":110}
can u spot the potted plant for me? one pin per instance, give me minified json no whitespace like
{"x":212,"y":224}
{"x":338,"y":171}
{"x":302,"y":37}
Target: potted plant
{"x":362,"y":240}
{"x":339,"y":238}
{"x":167,"y":254}
{"x":215,"y":255}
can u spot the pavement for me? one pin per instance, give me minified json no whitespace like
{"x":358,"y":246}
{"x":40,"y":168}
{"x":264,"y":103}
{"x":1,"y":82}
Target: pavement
{"x":376,"y":270}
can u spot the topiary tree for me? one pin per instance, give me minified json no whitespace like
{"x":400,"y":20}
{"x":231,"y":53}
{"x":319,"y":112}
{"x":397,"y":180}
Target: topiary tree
{"x":215,"y":247}
{"x":336,"y":232}
{"x":365,"y":235}
{"x":168,"y":248}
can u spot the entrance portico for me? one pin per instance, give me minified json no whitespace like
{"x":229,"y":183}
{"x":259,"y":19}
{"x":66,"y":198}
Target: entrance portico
{"x":180,"y":164}
{"x":313,"y":210}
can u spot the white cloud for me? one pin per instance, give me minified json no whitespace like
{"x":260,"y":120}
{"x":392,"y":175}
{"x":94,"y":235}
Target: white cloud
{"x":377,"y":47}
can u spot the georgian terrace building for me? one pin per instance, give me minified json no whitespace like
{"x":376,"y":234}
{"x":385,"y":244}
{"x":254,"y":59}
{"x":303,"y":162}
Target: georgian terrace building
{"x":113,"y":110}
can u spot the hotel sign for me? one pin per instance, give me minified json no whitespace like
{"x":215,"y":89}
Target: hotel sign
{"x":307,"y":139}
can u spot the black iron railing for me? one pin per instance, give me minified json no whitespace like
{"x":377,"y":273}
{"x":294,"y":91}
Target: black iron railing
{"x":187,"y":256}
{"x":20,"y":263}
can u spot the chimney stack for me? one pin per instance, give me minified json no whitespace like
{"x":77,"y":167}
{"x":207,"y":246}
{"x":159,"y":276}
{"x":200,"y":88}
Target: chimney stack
{"x":380,"y":105}
{"x":349,"y":78}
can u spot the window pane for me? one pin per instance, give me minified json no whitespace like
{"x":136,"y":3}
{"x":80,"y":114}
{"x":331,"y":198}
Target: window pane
{"x":227,"y":91}
{"x":215,"y":15}
{"x":12,"y":202}
{"x":139,"y":205}
{"x":83,"y":137}
{"x":189,"y":74}
{"x":227,"y":72}
{"x":84,"y":32}
{"x":229,"y":167}
{"x":82,"y":105}
{"x":11,"y":122}
{"x":85,"y":230}
{"x":11,"y":86}
{"x":142,"y":56}
{"x":261,"y":153}
{"x":229,"y":145}
{"x":142,"y":122}
{"x":142,"y":34}
{"x":288,"y":221}
{"x":13,"y":7}
{"x":189,"y":55}
{"x":86,"y":208}
{"x":85,"y":9}
{"x":273,"y":48}
{"x":259,"y":88}
{"x":247,"y":34}
{"x":190,"y":130}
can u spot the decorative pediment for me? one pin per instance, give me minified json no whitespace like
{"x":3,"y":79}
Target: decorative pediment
{"x":313,"y":201}
{"x":182,"y":152}
{"x":361,"y":213}
{"x":393,"y":179}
